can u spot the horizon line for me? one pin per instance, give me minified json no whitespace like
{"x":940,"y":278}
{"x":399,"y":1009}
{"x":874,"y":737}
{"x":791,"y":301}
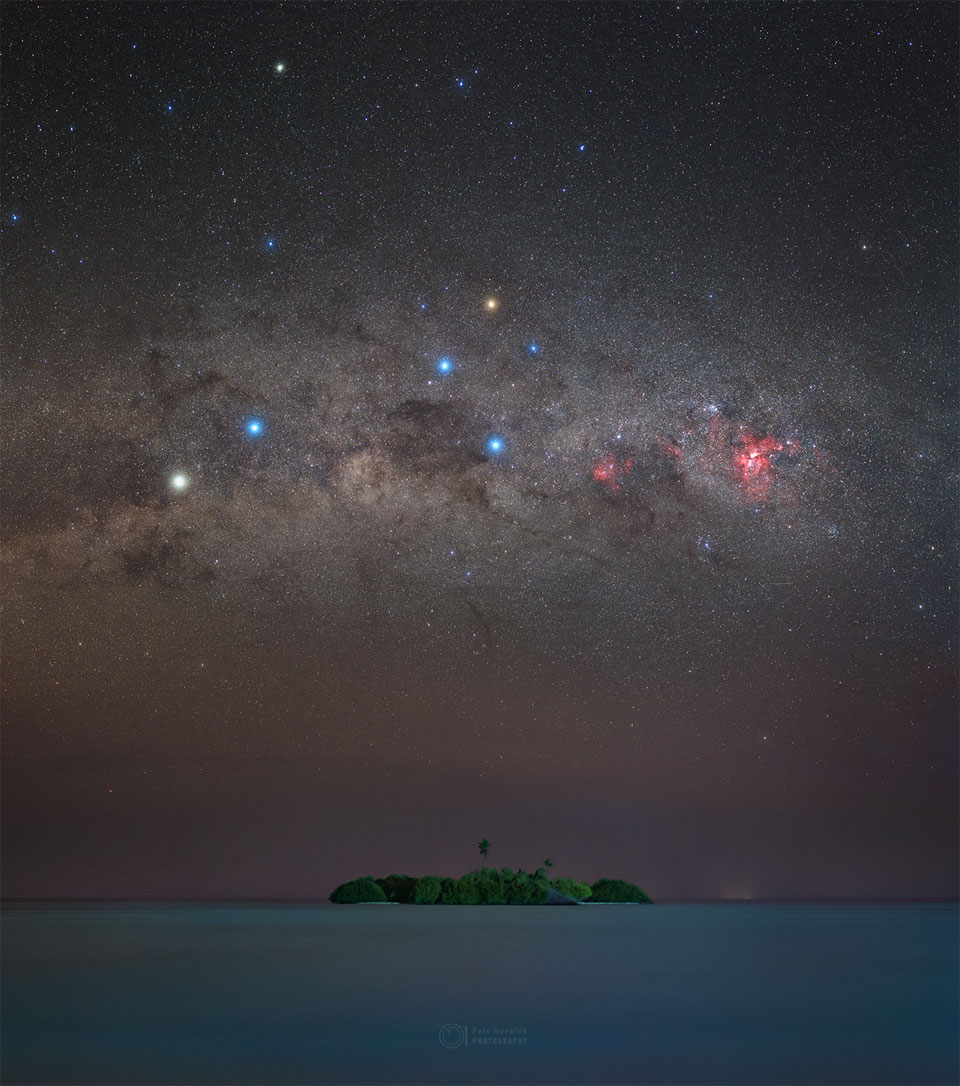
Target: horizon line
{"x":325,"y":900}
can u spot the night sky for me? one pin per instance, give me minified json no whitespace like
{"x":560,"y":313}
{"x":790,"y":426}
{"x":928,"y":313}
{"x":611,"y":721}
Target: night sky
{"x":426,"y":422}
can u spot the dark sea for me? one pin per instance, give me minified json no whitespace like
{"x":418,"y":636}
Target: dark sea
{"x":751,"y":993}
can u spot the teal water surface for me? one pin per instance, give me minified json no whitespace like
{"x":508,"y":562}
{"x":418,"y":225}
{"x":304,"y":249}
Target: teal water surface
{"x":275,"y":994}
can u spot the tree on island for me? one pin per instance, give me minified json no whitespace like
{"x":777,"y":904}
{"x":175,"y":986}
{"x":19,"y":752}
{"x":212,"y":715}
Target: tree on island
{"x":359,"y":891}
{"x":483,"y":845}
{"x":579,"y":891}
{"x":617,"y":892}
{"x":427,"y":890}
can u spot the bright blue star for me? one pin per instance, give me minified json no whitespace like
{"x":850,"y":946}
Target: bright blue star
{"x":445,"y":365}
{"x":582,"y":147}
{"x":270,"y":243}
{"x":14,"y":217}
{"x":533,"y":348}
{"x":254,"y":427}
{"x":495,"y":445}
{"x":170,"y":107}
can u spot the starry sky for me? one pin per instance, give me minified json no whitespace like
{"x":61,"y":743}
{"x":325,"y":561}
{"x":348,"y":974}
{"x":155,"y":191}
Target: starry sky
{"x":432,"y":421}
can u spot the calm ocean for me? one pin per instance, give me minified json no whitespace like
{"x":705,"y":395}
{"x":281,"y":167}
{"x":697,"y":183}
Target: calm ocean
{"x":273,"y":994}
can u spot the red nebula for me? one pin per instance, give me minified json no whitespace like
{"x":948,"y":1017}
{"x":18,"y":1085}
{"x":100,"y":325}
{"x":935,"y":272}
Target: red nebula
{"x":752,"y":459}
{"x":669,"y":447}
{"x":610,"y":472}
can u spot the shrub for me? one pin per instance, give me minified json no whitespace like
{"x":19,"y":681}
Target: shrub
{"x":449,"y":892}
{"x":523,"y":888}
{"x":616,"y":890}
{"x":427,"y":890}
{"x":492,"y":887}
{"x":572,"y":888}
{"x":351,"y":893}
{"x":532,"y":890}
{"x":468,"y":889}
{"x":488,"y":886}
{"x":399,"y":888}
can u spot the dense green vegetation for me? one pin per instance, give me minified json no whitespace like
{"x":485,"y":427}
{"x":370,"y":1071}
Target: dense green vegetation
{"x":616,"y":890}
{"x":579,"y":891}
{"x":427,"y":890}
{"x":400,"y":888}
{"x":352,"y":893}
{"x":490,"y":886}
{"x":487,"y":886}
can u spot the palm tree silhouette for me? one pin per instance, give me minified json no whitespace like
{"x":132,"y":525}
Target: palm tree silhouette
{"x":483,"y":846}
{"x":548,"y":863}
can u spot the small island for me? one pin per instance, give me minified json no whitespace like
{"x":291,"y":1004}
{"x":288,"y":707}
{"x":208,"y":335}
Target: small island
{"x":488,"y":886}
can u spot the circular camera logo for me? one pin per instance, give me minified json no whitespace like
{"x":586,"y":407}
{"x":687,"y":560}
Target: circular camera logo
{"x":452,"y":1036}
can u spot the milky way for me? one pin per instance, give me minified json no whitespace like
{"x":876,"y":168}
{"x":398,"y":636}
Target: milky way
{"x":470,"y":404}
